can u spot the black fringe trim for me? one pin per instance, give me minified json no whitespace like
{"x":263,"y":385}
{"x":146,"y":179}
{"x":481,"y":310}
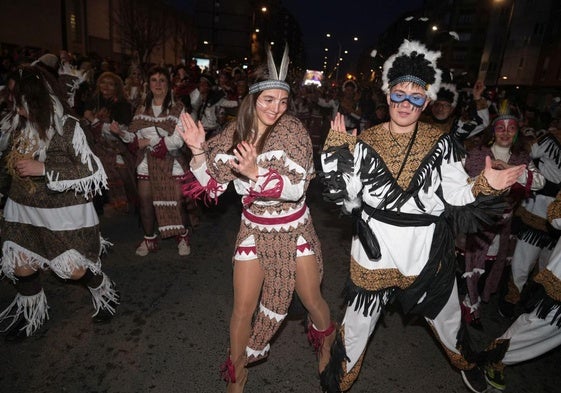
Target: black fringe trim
{"x":331,"y":376}
{"x":537,"y":238}
{"x":535,"y":297}
{"x":366,"y":300}
{"x":334,"y":181}
{"x":552,"y":149}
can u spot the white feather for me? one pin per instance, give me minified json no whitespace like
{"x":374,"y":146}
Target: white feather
{"x":271,"y":65}
{"x":283,"y":70}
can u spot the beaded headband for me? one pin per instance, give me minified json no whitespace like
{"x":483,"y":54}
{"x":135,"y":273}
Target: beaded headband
{"x":268,"y":84}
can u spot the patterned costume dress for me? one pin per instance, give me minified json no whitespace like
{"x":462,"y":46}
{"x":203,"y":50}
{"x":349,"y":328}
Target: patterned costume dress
{"x":163,"y":162}
{"x":276,"y":226}
{"x":50,"y":221}
{"x":404,"y":242}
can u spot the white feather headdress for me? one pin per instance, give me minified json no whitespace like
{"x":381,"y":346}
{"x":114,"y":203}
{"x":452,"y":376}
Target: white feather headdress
{"x":276,"y":77}
{"x":415,"y":63}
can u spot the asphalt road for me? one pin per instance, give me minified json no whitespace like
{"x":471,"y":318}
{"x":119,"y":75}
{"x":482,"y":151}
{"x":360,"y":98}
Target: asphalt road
{"x":171,"y":331}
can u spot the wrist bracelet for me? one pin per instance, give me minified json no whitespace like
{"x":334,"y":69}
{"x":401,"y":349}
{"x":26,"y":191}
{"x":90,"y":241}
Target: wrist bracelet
{"x":198,"y":154}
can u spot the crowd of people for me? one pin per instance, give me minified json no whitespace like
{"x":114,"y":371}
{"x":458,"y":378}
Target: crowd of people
{"x":454,"y":190}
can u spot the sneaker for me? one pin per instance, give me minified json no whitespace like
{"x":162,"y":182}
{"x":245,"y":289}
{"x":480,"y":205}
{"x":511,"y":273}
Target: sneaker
{"x":495,"y":378}
{"x":147,"y":245}
{"x":474,"y":379}
{"x":183,"y":244}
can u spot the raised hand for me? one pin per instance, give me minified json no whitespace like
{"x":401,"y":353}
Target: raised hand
{"x":500,"y":179}
{"x":193,"y":134}
{"x":245,"y":162}
{"x":338,"y":124}
{"x":478,"y":89}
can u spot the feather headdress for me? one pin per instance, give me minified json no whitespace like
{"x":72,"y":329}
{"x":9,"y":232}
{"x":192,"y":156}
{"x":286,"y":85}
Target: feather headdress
{"x":414,"y":63}
{"x":506,"y":110}
{"x":448,"y":93}
{"x":276,"y":77}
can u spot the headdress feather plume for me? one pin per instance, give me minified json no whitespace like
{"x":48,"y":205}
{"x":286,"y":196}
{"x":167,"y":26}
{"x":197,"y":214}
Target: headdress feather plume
{"x":283,"y":70}
{"x":275,"y":77}
{"x":271,"y":65}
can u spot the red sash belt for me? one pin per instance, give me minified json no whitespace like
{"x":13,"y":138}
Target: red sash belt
{"x":274,"y":220}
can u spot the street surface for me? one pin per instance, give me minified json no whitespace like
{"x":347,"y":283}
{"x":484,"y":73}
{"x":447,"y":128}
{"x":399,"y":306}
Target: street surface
{"x":171,"y":331}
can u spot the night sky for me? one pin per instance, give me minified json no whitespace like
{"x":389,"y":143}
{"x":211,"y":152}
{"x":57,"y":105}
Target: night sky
{"x":365,"y":19}
{"x":344,"y":20}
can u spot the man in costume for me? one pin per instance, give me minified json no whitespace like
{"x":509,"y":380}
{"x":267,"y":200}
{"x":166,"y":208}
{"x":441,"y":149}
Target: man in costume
{"x":441,"y":112}
{"x":49,"y":218}
{"x":539,"y":329}
{"x":405,"y":183}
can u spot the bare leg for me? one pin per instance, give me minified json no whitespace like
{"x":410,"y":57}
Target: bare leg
{"x":308,"y":283}
{"x":321,"y":333}
{"x":248,"y":279}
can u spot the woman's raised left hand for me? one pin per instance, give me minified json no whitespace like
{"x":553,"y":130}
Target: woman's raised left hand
{"x":245,"y":162}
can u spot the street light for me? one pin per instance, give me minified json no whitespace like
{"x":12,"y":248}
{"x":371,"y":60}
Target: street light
{"x":505,"y":41}
{"x":255,"y":39}
{"x":339,"y":54}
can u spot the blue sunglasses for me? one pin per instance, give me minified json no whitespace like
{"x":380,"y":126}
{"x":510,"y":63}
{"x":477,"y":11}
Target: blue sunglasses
{"x":417,"y":100}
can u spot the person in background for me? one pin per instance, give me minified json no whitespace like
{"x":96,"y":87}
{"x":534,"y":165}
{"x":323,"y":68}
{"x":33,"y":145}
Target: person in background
{"x":538,"y":329}
{"x":267,"y":154}
{"x":161,"y":166}
{"x":536,"y":238}
{"x":506,"y":147}
{"x":442,"y":112}
{"x":109,"y":105}
{"x":207,"y":102}
{"x":349,"y":105}
{"x":405,"y":184}
{"x":135,"y":87}
{"x":49,"y":220}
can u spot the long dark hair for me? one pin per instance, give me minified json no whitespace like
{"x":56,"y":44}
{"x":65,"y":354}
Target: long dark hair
{"x":33,"y":90}
{"x":246,"y":121}
{"x":168,"y":102}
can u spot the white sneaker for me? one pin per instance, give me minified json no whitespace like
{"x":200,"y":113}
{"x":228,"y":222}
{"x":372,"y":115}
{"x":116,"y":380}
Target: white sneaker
{"x":183,"y":246}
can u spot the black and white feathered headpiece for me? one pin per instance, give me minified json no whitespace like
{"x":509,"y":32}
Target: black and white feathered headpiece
{"x":448,"y":93}
{"x":276,"y":78}
{"x":415,"y":63}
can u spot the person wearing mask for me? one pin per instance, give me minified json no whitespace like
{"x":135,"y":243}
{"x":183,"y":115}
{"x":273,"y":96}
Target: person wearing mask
{"x":493,"y":247}
{"x":404,"y":182}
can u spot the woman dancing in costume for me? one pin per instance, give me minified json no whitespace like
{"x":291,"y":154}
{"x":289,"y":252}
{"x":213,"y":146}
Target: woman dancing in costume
{"x":267,"y":154}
